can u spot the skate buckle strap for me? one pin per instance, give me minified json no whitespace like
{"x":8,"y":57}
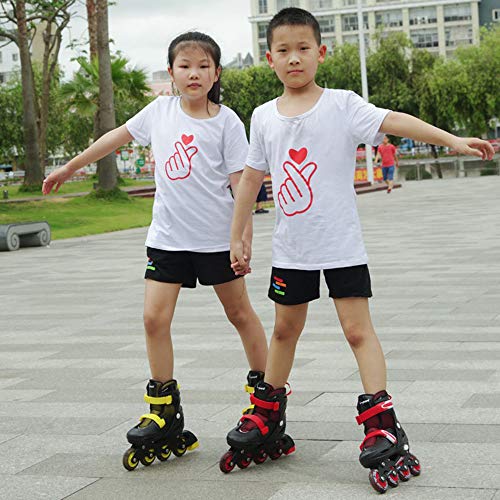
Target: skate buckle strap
{"x":267,"y":405}
{"x":155,"y":418}
{"x":247,"y":409}
{"x":263,"y":428}
{"x":375,"y":410}
{"x":379,"y":432}
{"x":250,"y":389}
{"x":163,"y":400}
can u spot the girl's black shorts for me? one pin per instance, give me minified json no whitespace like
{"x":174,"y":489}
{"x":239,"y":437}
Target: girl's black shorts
{"x":295,"y":286}
{"x":187,"y":267}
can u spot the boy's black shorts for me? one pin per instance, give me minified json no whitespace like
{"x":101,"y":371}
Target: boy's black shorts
{"x":294,"y":286}
{"x":186,"y":267}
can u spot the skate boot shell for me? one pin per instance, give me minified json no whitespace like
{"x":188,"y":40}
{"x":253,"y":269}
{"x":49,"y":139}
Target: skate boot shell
{"x":260,"y":433}
{"x":160,"y":432}
{"x":253,"y":378}
{"x":385,"y":449}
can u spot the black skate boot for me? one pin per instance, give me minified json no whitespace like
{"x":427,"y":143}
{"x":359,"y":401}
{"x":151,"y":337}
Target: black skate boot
{"x":385,"y":449}
{"x":160,"y":432}
{"x":253,"y":378}
{"x":260,"y":432}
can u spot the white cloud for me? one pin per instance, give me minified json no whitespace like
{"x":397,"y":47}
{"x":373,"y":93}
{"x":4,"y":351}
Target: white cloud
{"x":142,"y":30}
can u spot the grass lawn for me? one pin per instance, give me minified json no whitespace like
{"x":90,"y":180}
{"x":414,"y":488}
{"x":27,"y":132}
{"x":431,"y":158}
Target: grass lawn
{"x":71,"y":217}
{"x":84,"y":186}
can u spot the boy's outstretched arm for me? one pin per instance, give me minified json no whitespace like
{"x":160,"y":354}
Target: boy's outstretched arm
{"x":246,"y":194}
{"x":99,"y":149}
{"x":404,"y":125}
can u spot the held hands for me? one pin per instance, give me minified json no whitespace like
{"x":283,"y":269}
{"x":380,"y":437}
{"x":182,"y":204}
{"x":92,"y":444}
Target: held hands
{"x":474,"y":147}
{"x":240,"y":258}
{"x":178,"y":166}
{"x":57,"y":178}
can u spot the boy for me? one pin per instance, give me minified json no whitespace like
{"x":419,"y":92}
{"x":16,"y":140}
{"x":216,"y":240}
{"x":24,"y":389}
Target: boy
{"x":308,"y":139}
{"x":387,"y":153}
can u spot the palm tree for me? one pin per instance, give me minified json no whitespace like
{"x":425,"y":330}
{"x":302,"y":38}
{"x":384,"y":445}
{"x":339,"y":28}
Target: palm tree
{"x":129,"y":85}
{"x":80,"y":95}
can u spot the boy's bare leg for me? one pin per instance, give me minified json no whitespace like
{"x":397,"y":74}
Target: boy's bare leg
{"x":354,"y":316}
{"x":159,"y":306}
{"x":234,"y":298}
{"x":288,"y":326}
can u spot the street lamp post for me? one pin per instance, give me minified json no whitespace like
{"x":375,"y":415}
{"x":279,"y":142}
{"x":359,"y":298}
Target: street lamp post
{"x":364,"y":85}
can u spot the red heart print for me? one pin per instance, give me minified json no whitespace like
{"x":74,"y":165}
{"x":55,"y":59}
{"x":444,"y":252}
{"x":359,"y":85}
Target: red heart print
{"x":298,"y":156}
{"x":186,"y":139}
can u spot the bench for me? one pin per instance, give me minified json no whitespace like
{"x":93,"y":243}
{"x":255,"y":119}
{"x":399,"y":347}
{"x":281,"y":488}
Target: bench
{"x":24,"y":234}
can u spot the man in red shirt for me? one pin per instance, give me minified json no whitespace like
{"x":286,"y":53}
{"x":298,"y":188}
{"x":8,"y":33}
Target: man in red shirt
{"x":388,"y":153}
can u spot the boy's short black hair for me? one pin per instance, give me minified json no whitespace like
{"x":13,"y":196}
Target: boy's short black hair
{"x":293,"y":16}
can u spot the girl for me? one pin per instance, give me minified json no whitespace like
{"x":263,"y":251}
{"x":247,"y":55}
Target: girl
{"x":200,"y":149}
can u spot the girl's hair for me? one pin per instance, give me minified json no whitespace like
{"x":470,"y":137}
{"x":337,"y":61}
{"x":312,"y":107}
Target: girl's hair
{"x":206,"y":43}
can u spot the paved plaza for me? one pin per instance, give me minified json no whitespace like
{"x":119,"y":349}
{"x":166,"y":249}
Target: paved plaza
{"x":73,"y":365}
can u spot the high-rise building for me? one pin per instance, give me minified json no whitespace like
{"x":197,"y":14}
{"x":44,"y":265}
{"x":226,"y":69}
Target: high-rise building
{"x":10,"y":64}
{"x":489,"y":12}
{"x":439,"y":25}
{"x":9,"y":59}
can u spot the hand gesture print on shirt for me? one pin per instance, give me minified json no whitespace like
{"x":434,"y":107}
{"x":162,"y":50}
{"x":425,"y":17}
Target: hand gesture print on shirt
{"x":178,"y":166}
{"x":295,"y":195}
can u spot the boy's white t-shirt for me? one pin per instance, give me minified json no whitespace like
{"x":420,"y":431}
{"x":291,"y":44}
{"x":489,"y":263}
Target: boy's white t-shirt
{"x":193,"y":206}
{"x":312,"y":159}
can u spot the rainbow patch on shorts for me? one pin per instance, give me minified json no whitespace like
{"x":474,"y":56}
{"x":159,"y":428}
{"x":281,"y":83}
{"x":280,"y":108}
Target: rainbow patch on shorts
{"x":279,"y":286}
{"x":150,"y":266}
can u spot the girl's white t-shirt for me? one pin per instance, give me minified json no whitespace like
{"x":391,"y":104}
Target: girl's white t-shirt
{"x":193,"y":206}
{"x":312,"y":159}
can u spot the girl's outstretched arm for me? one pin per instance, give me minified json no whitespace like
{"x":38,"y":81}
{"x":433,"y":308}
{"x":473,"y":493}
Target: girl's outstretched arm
{"x":405,"y":125}
{"x":99,"y":149}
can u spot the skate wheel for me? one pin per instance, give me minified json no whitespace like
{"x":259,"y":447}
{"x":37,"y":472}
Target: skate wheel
{"x":190,"y":440}
{"x":148,"y":459}
{"x":181,"y":448}
{"x":129,"y":459}
{"x":275,"y":454}
{"x":378,"y":482}
{"x":392,"y":477}
{"x":164,"y":453}
{"x":414,"y":466}
{"x":244,"y":462}
{"x":226,"y":463}
{"x":287,"y":445}
{"x":404,"y":473}
{"x":260,"y":458}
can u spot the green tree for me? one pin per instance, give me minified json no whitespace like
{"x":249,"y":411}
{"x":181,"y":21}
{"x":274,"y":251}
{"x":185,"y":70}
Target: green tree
{"x":11,"y":119}
{"x":19,"y":22}
{"x":243,"y":90}
{"x":388,"y":71}
{"x":341,"y":70}
{"x":11,"y":122}
{"x":481,"y":69}
{"x":80,"y":97}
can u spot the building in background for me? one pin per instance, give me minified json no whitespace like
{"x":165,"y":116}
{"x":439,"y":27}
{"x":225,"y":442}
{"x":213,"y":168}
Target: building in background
{"x":438,"y":26}
{"x":10,"y":64}
{"x":489,"y":12}
{"x":161,"y":84}
{"x":240,"y":62}
{"x":9,"y":60}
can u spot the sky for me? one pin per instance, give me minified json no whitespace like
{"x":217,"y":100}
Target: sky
{"x":142,"y":30}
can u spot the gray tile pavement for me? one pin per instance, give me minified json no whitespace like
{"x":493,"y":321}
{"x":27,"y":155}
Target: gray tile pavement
{"x":73,"y":363}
